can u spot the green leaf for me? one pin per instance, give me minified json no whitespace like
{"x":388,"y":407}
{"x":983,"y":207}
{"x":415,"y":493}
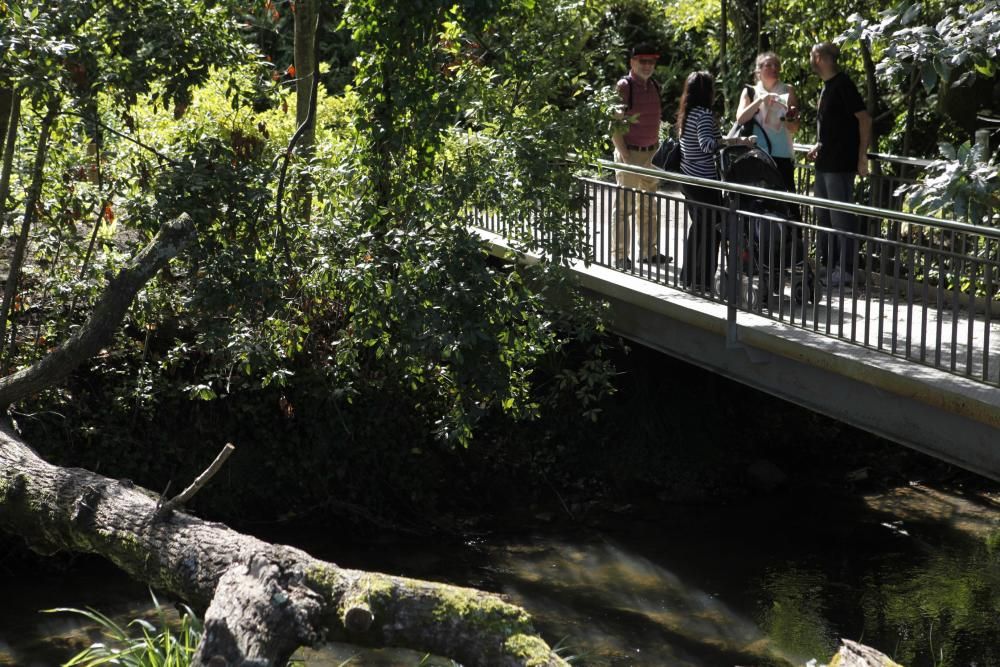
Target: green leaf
{"x":929,"y":76}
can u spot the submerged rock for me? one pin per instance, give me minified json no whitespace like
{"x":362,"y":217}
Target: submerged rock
{"x":853,"y":654}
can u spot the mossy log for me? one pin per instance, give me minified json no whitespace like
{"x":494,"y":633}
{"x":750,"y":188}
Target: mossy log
{"x":262,"y":601}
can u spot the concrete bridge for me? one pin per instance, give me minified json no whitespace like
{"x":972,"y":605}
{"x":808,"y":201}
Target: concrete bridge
{"x":903,"y":351}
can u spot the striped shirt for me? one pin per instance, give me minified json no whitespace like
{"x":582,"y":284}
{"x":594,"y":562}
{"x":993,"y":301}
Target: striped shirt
{"x":699,"y":141}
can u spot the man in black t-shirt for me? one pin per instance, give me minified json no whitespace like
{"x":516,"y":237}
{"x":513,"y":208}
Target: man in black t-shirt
{"x":843,"y":132}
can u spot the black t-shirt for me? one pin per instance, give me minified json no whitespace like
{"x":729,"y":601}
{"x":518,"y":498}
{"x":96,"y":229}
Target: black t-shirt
{"x":837,"y":126}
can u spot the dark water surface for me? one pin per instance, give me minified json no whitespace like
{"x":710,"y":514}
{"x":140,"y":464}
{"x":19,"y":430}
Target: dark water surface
{"x":850,"y":547}
{"x":913,"y":571}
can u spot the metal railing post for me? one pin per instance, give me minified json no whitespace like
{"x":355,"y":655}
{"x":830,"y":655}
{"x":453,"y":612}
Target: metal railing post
{"x":982,"y":145}
{"x":732,"y":277}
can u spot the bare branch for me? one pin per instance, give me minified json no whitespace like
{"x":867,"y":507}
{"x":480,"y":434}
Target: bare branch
{"x":196,"y":486}
{"x":97,"y":121}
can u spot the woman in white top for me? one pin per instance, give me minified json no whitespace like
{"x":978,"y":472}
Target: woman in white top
{"x":774,"y":106}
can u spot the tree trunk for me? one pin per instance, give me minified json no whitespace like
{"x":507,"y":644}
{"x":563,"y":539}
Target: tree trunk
{"x":911,"y":112}
{"x":6,"y":104}
{"x":10,"y":144}
{"x":263,"y":601}
{"x":306,"y":71}
{"x":34,"y":195}
{"x":99,"y":328}
{"x":871,"y":85}
{"x":880,"y":190}
{"x":740,"y":20}
{"x":723,"y":54}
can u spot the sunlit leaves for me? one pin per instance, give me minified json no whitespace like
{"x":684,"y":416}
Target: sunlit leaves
{"x":963,"y":184}
{"x":965,"y":40}
{"x":966,"y":36}
{"x":126,"y":47}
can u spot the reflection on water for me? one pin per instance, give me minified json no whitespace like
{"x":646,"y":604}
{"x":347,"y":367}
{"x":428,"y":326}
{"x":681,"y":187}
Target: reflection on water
{"x":948,"y":609}
{"x":29,"y":638}
{"x":793,"y":613}
{"x":616,"y":607}
{"x":765,"y":584}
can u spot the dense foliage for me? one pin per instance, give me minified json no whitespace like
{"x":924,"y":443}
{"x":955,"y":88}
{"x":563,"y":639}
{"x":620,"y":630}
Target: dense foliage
{"x":946,"y":57}
{"x":368,"y":356}
{"x":347,"y":343}
{"x":343,"y":350}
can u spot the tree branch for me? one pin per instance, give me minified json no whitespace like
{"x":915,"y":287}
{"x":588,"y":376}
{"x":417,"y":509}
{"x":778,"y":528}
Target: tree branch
{"x":196,"y":486}
{"x":99,"y":328}
{"x":122,"y":135}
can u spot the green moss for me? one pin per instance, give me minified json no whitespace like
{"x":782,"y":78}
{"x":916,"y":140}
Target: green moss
{"x":378,"y":590}
{"x":125,"y":545}
{"x":10,"y":488}
{"x":320,"y":578}
{"x":375,"y":589}
{"x":131,"y":553}
{"x":529,"y":648}
{"x":488,"y":614}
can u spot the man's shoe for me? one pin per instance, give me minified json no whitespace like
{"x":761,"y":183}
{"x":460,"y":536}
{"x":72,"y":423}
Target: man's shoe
{"x":658,"y":258}
{"x":623,"y":264}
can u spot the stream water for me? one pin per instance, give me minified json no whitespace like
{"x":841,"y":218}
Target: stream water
{"x":913,"y":571}
{"x":755,"y":579}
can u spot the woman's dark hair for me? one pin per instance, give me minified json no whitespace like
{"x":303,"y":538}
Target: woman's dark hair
{"x":699,"y":89}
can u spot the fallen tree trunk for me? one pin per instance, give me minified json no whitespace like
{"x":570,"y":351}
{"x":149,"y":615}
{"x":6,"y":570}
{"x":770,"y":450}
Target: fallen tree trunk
{"x":263,"y":600}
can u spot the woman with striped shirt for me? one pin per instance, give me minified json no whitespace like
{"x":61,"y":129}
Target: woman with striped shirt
{"x":700,"y":140}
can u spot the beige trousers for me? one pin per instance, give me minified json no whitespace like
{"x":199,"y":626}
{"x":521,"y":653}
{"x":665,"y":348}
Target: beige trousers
{"x":636,"y":210}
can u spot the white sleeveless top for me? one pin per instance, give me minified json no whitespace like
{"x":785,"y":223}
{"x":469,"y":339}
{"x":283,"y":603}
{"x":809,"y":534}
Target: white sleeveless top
{"x":770,"y":119}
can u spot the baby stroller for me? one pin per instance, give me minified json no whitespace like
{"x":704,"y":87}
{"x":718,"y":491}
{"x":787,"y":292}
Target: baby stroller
{"x":774,"y":252}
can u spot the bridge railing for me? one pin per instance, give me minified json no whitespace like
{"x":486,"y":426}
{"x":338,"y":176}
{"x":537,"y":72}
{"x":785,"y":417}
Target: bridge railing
{"x":880,"y":188}
{"x":921,"y":288}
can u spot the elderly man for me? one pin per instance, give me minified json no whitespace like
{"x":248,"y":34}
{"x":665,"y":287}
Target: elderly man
{"x":640,"y":97}
{"x":843,"y":132}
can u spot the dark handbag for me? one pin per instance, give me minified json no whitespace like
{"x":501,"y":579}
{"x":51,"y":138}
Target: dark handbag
{"x":668,"y":155}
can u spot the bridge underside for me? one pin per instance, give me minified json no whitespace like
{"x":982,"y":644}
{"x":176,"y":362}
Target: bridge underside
{"x":943,"y":415}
